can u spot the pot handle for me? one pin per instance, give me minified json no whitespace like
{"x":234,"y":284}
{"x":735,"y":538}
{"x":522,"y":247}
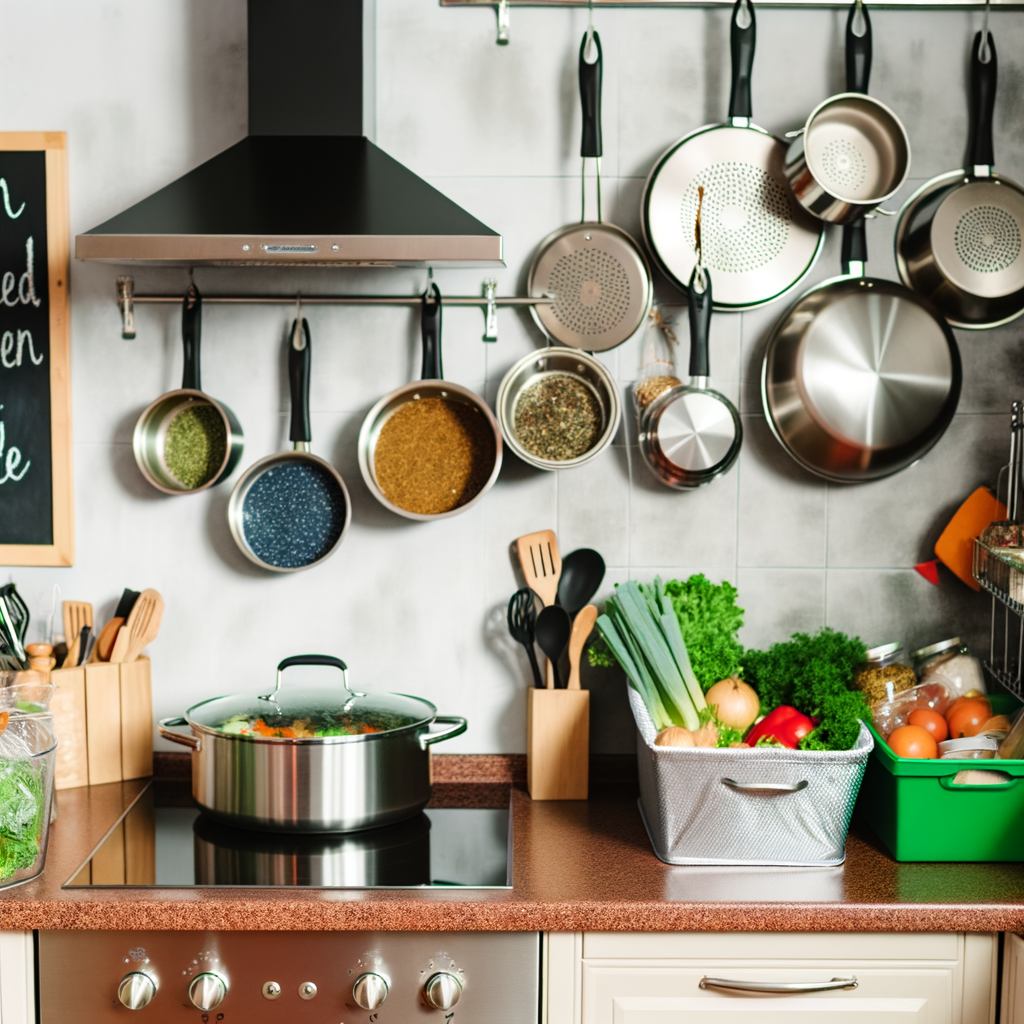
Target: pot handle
{"x":742,"y":40}
{"x":698,"y":304}
{"x":458,"y":727}
{"x":164,"y":728}
{"x":298,"y":383}
{"x":858,"y":48}
{"x":325,"y":660}
{"x":191,"y":322}
{"x":980,"y":152}
{"x":430,"y":328}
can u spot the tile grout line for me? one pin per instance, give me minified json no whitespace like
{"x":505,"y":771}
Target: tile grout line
{"x":828,"y":488}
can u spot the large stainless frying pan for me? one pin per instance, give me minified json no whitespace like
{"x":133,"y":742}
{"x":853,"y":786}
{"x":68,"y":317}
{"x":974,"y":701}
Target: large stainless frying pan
{"x":862,"y":376}
{"x":958,"y":240}
{"x":756,"y":240}
{"x":595,"y":272}
{"x":853,"y":153}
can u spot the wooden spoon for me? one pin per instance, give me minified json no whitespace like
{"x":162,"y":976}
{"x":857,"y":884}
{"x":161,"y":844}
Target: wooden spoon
{"x":105,"y":641}
{"x":141,"y":629}
{"x":582,"y":627}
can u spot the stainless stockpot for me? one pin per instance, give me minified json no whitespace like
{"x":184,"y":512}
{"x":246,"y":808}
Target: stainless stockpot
{"x":312,"y":784}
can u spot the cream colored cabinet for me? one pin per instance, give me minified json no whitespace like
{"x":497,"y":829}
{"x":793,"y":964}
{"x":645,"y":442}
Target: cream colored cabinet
{"x":1012,"y":1003}
{"x":768,"y":978}
{"x":17,"y":978}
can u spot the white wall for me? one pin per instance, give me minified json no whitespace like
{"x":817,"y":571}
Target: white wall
{"x":148,"y":90}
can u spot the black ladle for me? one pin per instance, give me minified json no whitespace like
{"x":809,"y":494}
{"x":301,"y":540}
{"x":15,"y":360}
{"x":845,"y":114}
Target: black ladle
{"x":553,"y":629}
{"x":582,"y":573}
{"x":522,"y":618}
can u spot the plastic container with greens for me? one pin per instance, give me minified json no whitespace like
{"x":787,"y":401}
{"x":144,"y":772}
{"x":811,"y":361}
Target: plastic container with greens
{"x":27,"y":757}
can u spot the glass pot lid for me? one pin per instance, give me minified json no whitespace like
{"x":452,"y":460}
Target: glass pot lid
{"x":310,"y":712}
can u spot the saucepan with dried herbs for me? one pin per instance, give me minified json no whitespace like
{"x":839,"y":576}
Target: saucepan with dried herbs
{"x":558,"y":408}
{"x":431,"y":449}
{"x":186,"y":441}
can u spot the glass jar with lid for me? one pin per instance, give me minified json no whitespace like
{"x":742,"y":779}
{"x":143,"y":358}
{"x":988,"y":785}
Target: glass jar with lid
{"x":949,"y":662}
{"x":884,"y":674}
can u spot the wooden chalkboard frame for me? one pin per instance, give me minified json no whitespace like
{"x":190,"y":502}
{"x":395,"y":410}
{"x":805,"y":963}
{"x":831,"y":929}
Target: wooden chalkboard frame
{"x":61,"y":552}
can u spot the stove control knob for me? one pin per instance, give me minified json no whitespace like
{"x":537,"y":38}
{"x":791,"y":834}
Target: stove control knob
{"x":369,"y":991}
{"x":136,"y":990}
{"x":207,"y":991}
{"x":443,"y":990}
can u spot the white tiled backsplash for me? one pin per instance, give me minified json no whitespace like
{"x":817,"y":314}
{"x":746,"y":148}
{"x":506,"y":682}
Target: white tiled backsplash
{"x":147,"y":91}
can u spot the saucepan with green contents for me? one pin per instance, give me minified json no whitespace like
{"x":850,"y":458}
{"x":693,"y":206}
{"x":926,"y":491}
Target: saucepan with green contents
{"x":311,"y":759}
{"x":186,"y":441}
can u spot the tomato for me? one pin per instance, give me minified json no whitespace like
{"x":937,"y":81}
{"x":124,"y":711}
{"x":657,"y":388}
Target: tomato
{"x":930,"y":720}
{"x":961,"y":701}
{"x":913,"y":741}
{"x":967,"y":719}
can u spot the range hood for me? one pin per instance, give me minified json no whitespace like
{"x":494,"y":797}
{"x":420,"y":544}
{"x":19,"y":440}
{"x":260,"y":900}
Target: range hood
{"x":305,"y":187}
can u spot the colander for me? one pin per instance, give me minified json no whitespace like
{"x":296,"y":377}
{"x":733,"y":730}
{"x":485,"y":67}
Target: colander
{"x":595,"y":272}
{"x":756,"y":240}
{"x":853,"y":153}
{"x":958,"y":239}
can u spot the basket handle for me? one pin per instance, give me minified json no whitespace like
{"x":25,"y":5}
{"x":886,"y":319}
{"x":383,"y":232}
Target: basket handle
{"x":773,"y":787}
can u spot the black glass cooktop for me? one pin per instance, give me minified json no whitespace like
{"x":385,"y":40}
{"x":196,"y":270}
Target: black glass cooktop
{"x":178,"y":847}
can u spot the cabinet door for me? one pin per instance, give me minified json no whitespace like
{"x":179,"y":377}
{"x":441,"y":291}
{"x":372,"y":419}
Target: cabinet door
{"x":1012,"y":1011}
{"x":664,"y":994}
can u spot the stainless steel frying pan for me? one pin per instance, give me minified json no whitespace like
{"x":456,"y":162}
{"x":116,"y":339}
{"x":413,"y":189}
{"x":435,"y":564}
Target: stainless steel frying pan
{"x":595,"y":272}
{"x":958,"y":240}
{"x":690,"y":433}
{"x":756,"y":240}
{"x":853,"y":153}
{"x":862,"y":376}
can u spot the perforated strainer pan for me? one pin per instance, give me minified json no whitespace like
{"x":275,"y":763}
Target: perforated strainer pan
{"x":595,"y":272}
{"x":853,"y":153}
{"x":958,"y":239}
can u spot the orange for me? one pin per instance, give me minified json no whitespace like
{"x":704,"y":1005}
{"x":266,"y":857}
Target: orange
{"x":913,"y":741}
{"x":968,"y":718}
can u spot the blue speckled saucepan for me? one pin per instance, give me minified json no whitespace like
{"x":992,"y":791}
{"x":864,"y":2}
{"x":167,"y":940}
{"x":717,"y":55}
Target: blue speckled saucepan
{"x":291,"y":510}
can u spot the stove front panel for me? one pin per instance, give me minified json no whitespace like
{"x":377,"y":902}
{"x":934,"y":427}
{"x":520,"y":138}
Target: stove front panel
{"x":289,"y":977}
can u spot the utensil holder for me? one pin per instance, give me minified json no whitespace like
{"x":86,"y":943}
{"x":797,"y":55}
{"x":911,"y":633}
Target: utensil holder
{"x":557,"y":744}
{"x":103,"y":717}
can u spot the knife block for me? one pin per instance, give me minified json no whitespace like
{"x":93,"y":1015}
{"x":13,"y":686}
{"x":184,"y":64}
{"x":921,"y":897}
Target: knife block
{"x":557,"y":744}
{"x":103,"y":718}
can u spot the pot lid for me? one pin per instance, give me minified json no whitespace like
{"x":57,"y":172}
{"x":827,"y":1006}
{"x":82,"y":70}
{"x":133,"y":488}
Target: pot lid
{"x":311,"y":712}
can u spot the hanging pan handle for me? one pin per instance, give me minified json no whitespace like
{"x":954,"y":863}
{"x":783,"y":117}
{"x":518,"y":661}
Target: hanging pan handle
{"x":858,"y":48}
{"x":855,"y":245}
{"x":431,"y":327}
{"x":699,"y":309}
{"x":298,"y":381}
{"x":191,"y":323}
{"x":980,"y":151}
{"x":590,"y":98}
{"x":742,"y":40}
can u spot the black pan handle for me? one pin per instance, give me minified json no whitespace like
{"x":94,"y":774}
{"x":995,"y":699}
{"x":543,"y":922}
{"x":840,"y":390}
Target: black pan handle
{"x":590,"y":99}
{"x":858,"y":49}
{"x":326,"y":660}
{"x":298,"y":381}
{"x":431,"y":327}
{"x":980,"y":151}
{"x":742,"y":40}
{"x":855,"y":244}
{"x":699,"y":309}
{"x":191,"y":324}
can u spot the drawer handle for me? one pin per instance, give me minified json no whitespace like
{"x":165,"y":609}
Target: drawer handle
{"x":776,"y":787}
{"x":778,"y":986}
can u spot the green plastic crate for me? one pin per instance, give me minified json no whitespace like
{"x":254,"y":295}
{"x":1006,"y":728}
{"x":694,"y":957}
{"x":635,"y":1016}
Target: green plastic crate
{"x":921,"y":816}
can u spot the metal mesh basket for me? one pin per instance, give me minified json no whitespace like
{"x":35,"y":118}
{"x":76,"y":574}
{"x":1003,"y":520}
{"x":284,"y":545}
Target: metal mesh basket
{"x":746,"y":807}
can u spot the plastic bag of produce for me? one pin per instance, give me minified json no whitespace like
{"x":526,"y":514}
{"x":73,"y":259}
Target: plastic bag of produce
{"x":891,"y":714}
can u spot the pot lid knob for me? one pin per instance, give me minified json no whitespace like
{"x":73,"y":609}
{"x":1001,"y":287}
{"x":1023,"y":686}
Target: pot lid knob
{"x":369,"y":991}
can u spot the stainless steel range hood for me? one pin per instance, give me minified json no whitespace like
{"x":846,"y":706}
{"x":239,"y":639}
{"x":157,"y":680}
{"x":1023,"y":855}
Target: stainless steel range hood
{"x":305,"y":187}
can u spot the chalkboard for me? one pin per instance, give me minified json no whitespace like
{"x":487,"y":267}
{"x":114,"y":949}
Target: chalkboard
{"x":36,"y":513}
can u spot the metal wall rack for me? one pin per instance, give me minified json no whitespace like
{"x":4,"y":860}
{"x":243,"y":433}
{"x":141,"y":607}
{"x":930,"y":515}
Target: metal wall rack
{"x":488,"y":301}
{"x":1003,"y":578}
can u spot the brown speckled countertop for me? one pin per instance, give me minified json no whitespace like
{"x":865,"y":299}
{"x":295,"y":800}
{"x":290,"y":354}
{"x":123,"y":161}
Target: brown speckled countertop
{"x":578,"y":866}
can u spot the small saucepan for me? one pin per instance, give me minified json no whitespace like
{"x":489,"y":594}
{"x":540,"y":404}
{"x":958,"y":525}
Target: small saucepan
{"x":691,"y":433}
{"x":431,"y":449}
{"x":186,"y":441}
{"x":290,"y":511}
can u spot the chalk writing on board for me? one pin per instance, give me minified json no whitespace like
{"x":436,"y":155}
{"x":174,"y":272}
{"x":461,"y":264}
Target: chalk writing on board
{"x":10,"y":461}
{"x":7,"y":201}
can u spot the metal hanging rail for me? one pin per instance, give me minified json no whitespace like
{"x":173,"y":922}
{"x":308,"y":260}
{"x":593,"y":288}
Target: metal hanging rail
{"x":489,"y":301}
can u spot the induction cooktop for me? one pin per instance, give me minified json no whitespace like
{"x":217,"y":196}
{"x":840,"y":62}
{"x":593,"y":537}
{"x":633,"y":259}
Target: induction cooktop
{"x":159,"y":843}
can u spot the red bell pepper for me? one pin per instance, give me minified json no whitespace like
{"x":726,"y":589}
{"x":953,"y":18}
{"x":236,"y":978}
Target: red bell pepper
{"x":784,"y":725}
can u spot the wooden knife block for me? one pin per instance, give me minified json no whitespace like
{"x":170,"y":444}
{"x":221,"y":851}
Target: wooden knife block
{"x":557,"y":744}
{"x":103,"y":718}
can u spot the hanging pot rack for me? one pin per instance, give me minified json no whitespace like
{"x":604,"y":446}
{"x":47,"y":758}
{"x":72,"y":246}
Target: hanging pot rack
{"x":489,"y":301}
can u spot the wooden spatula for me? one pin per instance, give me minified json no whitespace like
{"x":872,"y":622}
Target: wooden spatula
{"x":542,"y":568}
{"x":582,"y":627}
{"x":142,"y":627}
{"x":76,"y":615}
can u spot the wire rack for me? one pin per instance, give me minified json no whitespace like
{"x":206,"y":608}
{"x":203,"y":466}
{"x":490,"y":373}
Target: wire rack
{"x":1002,"y":575}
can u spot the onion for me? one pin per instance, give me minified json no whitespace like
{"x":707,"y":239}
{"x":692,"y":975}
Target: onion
{"x":737,"y":704}
{"x":674,"y":736}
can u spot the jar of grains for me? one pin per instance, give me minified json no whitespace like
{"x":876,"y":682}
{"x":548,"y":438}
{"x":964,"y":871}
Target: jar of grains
{"x":951,"y":663}
{"x":884,"y":674}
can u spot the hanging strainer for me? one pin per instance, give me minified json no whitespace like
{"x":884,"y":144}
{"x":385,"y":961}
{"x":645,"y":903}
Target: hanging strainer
{"x":594,"y":272}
